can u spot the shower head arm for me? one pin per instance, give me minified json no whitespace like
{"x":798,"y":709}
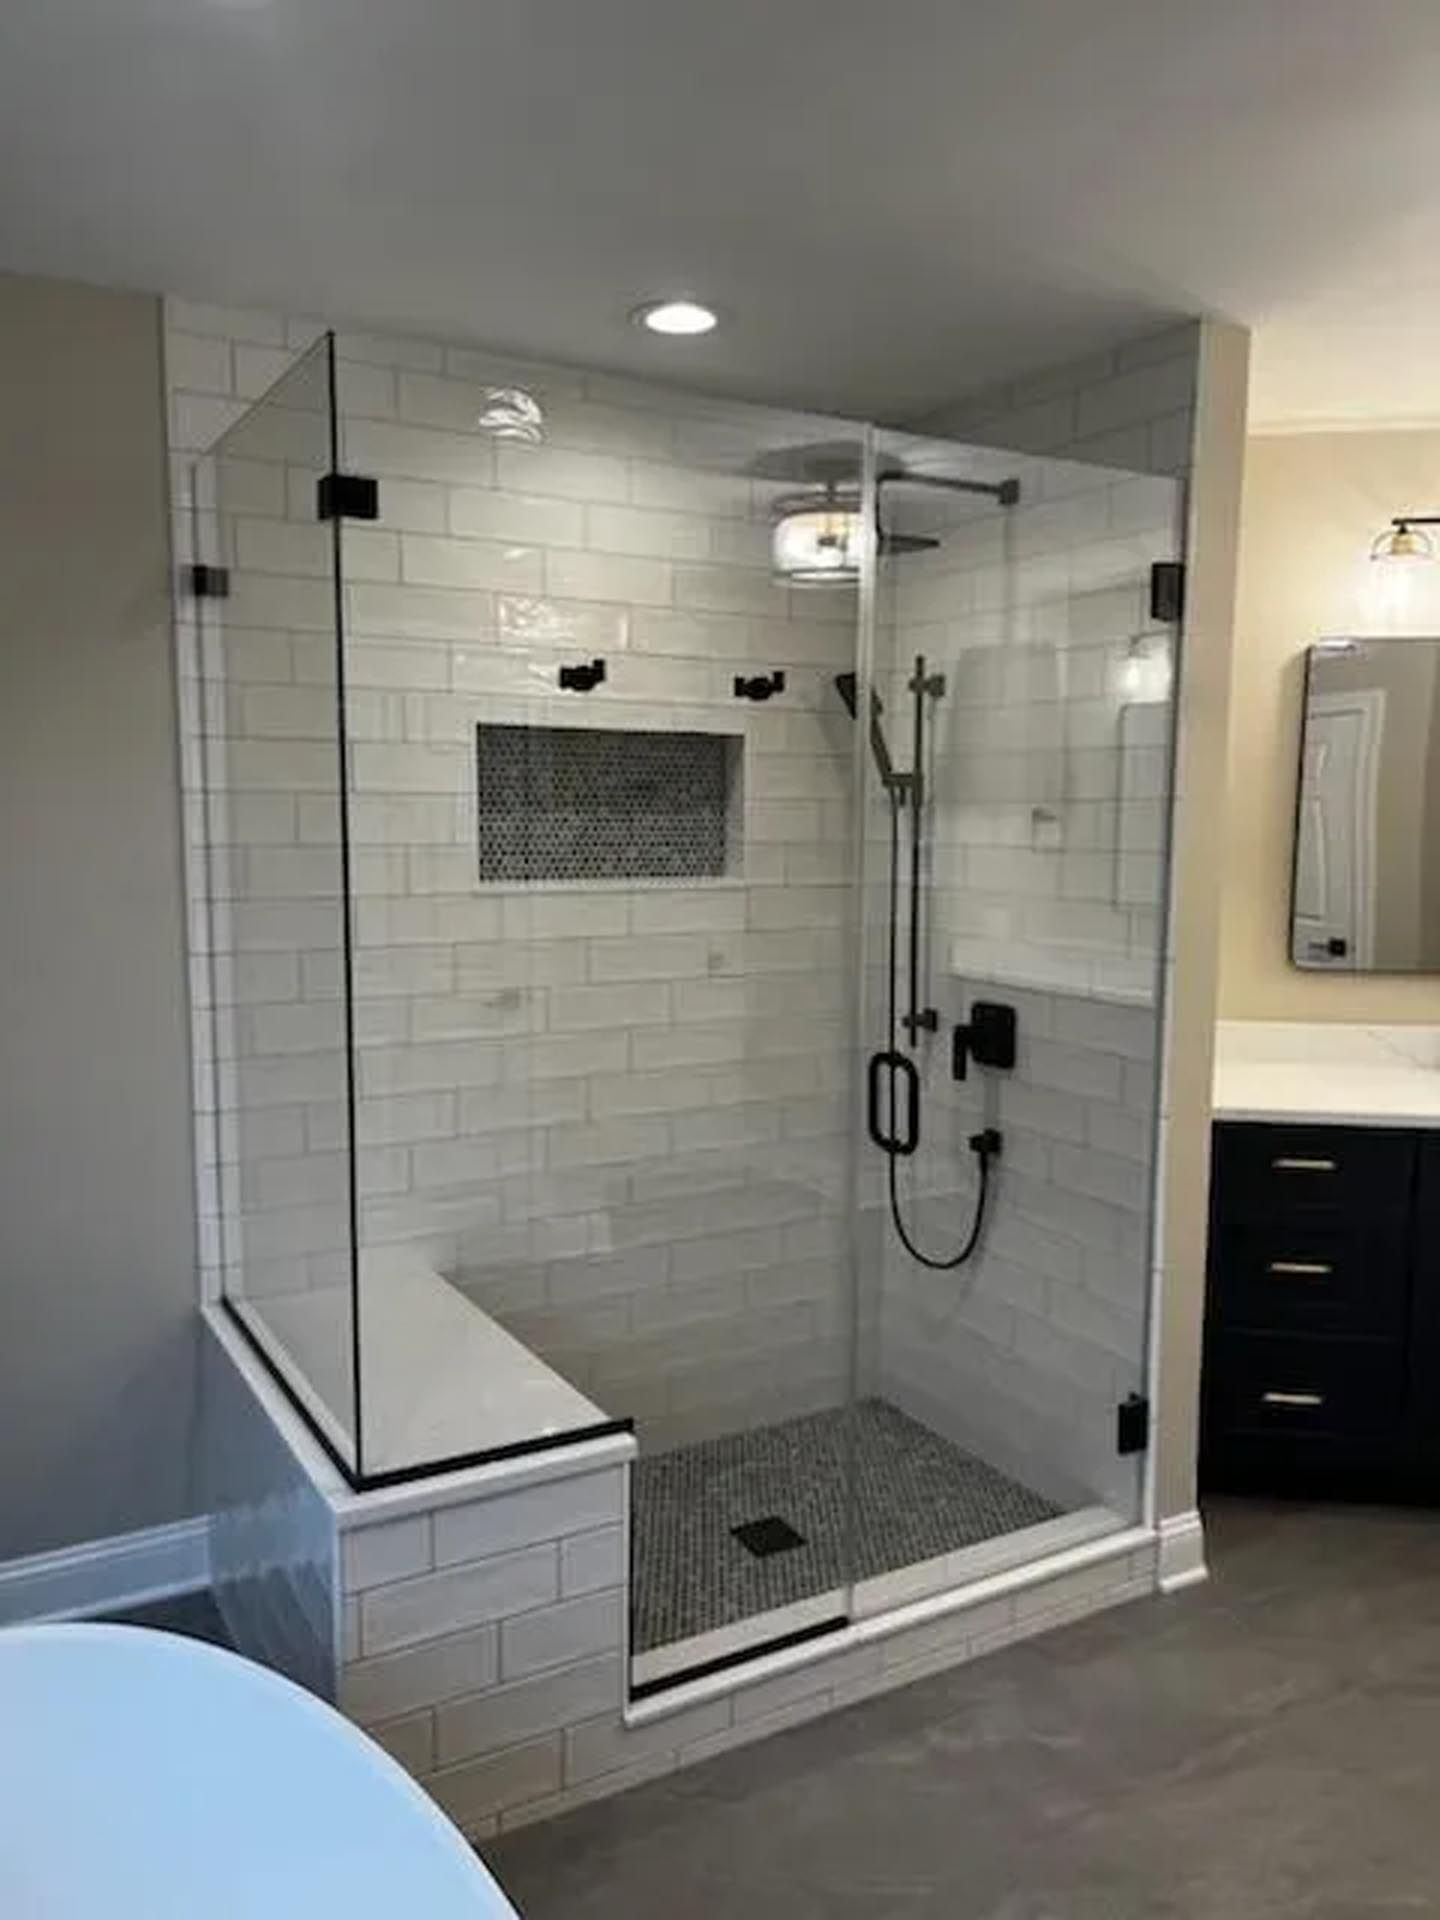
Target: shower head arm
{"x":1005,"y":493}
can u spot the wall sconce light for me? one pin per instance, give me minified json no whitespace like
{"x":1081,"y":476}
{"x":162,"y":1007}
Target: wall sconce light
{"x":1402,"y":541}
{"x":1145,"y":673}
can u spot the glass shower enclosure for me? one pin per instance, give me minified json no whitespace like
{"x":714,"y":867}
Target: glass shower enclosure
{"x":683,"y":946}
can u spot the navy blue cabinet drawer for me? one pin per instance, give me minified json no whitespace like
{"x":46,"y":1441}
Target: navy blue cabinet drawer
{"x":1265,"y":1172}
{"x":1290,"y":1387}
{"x":1312,"y":1272}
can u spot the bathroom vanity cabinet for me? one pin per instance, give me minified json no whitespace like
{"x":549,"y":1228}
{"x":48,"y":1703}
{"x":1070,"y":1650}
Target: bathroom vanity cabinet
{"x":1322,"y":1344}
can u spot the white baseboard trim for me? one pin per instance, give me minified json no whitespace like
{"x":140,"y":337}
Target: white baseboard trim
{"x":1180,"y":1561}
{"x":102,"y":1576}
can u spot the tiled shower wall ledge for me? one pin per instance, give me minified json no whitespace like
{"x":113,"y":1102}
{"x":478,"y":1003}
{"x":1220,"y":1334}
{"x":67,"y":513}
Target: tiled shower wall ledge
{"x":481,"y":1617}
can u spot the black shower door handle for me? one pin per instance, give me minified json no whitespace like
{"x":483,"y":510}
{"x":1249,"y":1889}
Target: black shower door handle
{"x":882,"y":1071}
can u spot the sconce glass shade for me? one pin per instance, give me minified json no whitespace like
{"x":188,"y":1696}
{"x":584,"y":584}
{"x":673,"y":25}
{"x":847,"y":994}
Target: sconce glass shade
{"x":1403,"y":542}
{"x":510,"y":413}
{"x":817,"y":539}
{"x":1145,"y":675}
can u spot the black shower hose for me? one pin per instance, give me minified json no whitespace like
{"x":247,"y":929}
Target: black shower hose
{"x":979,"y":1145}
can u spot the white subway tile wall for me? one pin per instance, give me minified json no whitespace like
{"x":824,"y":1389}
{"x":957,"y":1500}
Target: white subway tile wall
{"x":562,"y":1088}
{"x":505,"y":1699}
{"x":618,"y":1114}
{"x":1025,"y":1354}
{"x":1131,"y":406}
{"x":1049,"y":748}
{"x":274,"y":1543}
{"x":1050,"y":784}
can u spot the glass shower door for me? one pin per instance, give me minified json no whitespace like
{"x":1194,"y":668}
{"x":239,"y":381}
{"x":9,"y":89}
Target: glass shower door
{"x":1014,"y":857}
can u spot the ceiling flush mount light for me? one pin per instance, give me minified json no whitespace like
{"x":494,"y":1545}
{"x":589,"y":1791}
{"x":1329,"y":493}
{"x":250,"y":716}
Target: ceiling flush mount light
{"x":676,"y":317}
{"x":817,"y":537}
{"x":510,"y":413}
{"x":1401,"y":540}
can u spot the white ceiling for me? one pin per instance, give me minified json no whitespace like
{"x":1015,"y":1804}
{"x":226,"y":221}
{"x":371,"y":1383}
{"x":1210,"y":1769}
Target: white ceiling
{"x":895,"y":201}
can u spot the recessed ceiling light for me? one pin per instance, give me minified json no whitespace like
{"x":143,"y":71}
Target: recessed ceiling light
{"x":675,"y":316}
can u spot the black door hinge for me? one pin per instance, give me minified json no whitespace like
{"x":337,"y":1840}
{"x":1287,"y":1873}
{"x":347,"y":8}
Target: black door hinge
{"x":1132,"y":1424}
{"x":347,"y":496}
{"x":1167,"y":591}
{"x":206,"y":582}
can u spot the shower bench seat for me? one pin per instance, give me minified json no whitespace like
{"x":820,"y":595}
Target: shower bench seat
{"x":440,"y":1381}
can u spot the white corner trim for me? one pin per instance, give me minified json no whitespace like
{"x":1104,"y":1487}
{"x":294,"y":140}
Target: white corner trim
{"x":102,"y":1576}
{"x":1180,"y":1561}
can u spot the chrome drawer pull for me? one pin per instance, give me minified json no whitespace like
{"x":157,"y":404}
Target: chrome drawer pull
{"x":1293,"y":1399}
{"x":1310,"y":1269}
{"x":1293,"y":1164}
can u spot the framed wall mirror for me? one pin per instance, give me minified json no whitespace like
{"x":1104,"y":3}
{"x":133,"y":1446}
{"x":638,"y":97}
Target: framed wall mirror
{"x":1365,"y":887}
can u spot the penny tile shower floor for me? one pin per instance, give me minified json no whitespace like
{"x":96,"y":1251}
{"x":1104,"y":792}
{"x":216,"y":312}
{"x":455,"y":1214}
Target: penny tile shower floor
{"x":915,"y":1496}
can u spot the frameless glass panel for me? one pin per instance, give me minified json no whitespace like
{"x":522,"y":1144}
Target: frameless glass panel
{"x":600,"y":811}
{"x":1019,"y":723}
{"x":276,"y":895}
{"x":714,"y":784}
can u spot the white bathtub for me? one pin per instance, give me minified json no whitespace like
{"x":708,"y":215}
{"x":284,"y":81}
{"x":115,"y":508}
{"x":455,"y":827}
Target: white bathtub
{"x":148,"y":1777}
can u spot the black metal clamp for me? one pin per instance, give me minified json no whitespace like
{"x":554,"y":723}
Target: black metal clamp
{"x":582,"y":678}
{"x":206,"y":581}
{"x":759,"y":686}
{"x":347,"y":496}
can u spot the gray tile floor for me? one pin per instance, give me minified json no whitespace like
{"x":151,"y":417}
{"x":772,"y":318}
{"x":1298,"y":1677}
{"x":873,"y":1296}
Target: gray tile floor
{"x":1264,"y":1746}
{"x":867,"y":1488}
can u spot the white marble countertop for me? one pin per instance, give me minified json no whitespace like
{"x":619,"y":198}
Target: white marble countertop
{"x":1327,"y":1075}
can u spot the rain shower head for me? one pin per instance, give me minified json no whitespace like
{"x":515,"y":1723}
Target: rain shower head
{"x":818,"y":532}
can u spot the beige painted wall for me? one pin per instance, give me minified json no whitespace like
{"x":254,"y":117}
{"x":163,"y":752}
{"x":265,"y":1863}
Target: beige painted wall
{"x":97,"y":1226}
{"x":1312,"y":504}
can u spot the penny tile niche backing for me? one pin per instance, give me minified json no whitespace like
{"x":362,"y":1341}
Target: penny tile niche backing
{"x":601,"y":804}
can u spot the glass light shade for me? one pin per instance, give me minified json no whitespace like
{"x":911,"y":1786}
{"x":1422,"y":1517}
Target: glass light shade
{"x":1403,"y":542}
{"x":510,"y":413}
{"x":817,"y":543}
{"x":1145,"y":673}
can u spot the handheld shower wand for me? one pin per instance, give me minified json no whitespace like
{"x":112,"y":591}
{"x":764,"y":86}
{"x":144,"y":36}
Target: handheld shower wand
{"x":891,"y":1070}
{"x":847,"y":688}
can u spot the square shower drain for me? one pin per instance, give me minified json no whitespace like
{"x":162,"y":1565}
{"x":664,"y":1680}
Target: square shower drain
{"x":767,"y":1536}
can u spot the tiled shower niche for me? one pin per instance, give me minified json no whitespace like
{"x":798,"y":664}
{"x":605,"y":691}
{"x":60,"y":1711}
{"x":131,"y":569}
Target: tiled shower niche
{"x":605,"y":803}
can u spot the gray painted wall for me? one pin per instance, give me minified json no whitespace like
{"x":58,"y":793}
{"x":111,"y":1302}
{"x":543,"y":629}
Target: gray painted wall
{"x":97,"y":1228}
